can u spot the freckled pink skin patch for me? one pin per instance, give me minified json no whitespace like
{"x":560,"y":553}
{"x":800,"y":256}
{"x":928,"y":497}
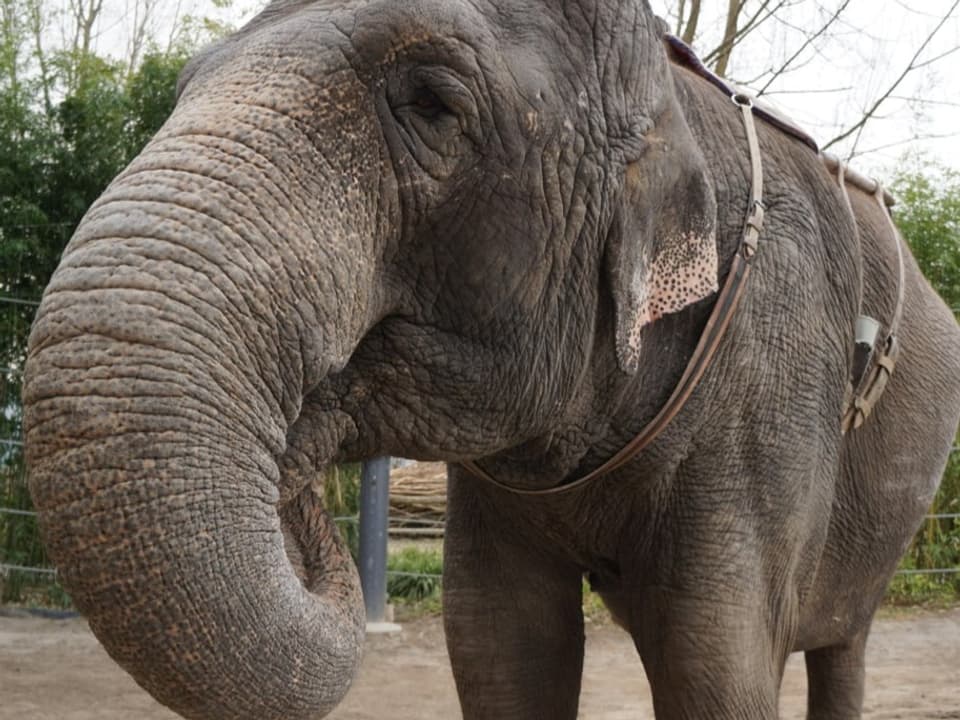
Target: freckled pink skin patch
{"x":684,"y":272}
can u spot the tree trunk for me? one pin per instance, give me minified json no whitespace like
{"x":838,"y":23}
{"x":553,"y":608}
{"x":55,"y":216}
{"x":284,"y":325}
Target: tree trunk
{"x":729,"y":37}
{"x":690,"y":32}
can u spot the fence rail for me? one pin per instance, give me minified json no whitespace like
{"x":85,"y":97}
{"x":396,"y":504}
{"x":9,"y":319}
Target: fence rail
{"x":435,"y":523}
{"x":15,"y":511}
{"x":26,"y":569}
{"x":353,"y":519}
{"x":19,"y":301}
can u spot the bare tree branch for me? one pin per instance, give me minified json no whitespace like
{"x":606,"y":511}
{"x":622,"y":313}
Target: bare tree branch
{"x":143,"y":12}
{"x":10,"y":43}
{"x":85,"y":14}
{"x":755,"y":21}
{"x":729,"y":33}
{"x":691,"y":29}
{"x":937,"y":58}
{"x":857,"y":128}
{"x":925,"y":101}
{"x":680,"y":9}
{"x":174,"y":27}
{"x":807,"y":43}
{"x":812,"y":91}
{"x":37,"y":26}
{"x":901,"y":143}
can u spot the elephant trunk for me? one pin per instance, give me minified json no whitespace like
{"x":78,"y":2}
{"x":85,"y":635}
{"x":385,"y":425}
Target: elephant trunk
{"x":167,"y":366}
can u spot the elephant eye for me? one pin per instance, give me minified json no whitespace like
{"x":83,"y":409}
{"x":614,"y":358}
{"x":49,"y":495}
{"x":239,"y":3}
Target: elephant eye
{"x":427,"y":104}
{"x":435,"y":113}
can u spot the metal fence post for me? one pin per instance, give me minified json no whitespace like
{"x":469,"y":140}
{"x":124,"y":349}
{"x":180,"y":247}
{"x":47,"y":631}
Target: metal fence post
{"x":374,"y":508}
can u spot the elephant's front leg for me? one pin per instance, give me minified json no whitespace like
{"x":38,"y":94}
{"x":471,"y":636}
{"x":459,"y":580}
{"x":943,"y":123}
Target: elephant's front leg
{"x":513,"y":617}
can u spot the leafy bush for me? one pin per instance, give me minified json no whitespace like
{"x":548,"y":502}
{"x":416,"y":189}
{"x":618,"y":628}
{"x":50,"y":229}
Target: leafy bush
{"x":928,"y":215}
{"x":341,"y":498}
{"x":936,"y":545}
{"x":939,"y":589}
{"x":413,"y":575}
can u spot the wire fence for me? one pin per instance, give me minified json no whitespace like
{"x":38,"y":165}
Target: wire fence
{"x":26,"y":575}
{"x":50,"y":571}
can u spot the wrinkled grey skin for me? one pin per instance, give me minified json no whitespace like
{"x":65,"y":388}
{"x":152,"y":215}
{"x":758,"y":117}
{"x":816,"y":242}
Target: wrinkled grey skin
{"x":424,"y":228}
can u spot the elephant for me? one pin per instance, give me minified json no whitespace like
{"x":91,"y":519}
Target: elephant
{"x":489,"y":233}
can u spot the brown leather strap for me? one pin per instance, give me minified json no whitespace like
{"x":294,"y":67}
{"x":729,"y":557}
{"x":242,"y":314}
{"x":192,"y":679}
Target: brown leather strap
{"x":710,"y":339}
{"x":881,"y":197}
{"x":840,"y":168}
{"x":863,"y":399}
{"x":858,"y":180}
{"x":862,"y":405}
{"x":683,"y":54}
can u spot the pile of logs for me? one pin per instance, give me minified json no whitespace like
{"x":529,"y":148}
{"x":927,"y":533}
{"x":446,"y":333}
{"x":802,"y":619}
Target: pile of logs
{"x":418,"y":500}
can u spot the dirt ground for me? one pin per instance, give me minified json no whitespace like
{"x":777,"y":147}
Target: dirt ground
{"x":54,"y":669}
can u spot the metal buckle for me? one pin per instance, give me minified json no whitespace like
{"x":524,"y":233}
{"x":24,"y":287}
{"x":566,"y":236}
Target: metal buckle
{"x":751,"y":237}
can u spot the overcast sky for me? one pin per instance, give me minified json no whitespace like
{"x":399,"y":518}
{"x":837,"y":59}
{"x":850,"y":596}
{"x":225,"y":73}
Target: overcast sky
{"x":870,"y":46}
{"x":828,"y":90}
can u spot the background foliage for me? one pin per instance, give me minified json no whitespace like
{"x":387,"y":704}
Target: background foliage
{"x":69,"y":122}
{"x":928,"y":214}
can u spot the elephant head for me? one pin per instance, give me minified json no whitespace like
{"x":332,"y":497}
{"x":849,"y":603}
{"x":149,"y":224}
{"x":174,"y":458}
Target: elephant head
{"x":411,"y":228}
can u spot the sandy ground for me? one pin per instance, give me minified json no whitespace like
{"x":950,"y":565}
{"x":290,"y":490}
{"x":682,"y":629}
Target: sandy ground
{"x":54,"y":669}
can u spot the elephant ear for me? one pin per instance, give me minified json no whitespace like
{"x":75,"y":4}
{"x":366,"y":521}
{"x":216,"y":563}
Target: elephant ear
{"x":661,"y":252}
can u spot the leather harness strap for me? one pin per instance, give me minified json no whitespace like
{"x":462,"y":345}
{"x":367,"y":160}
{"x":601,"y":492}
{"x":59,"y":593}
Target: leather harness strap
{"x":710,"y":339}
{"x":683,"y":54}
{"x":858,"y":180}
{"x":866,"y":390}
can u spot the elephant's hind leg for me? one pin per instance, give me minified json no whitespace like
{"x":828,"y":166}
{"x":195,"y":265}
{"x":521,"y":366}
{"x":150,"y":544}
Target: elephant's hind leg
{"x":835,"y":680}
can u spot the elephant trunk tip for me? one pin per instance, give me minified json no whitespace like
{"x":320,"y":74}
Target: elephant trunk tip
{"x":217,"y":600}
